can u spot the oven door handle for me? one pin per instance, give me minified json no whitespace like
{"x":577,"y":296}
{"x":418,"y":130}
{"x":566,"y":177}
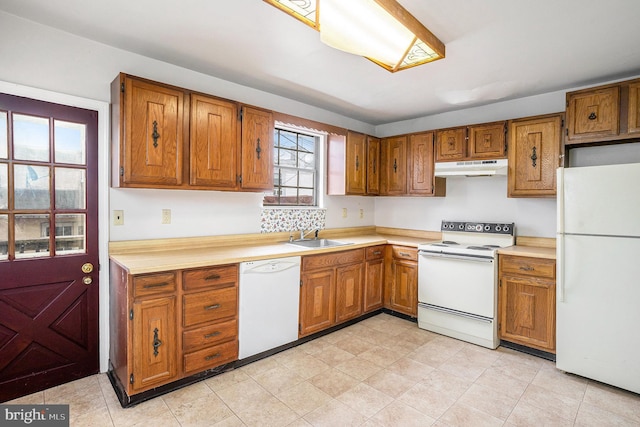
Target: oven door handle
{"x":452,"y":256}
{"x":455,"y":312}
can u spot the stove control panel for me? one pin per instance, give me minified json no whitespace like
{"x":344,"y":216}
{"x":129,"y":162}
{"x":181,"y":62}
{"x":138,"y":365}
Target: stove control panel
{"x":478,"y":227}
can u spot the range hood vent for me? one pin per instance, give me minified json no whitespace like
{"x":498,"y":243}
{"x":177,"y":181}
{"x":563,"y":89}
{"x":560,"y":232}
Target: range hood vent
{"x":472,"y":168}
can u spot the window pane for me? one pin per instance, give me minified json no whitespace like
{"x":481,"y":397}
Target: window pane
{"x":289,"y":196}
{"x":4,"y":186}
{"x":70,"y":236}
{"x":69,"y":142}
{"x":307,"y":143}
{"x":306,"y":160}
{"x":70,"y":188}
{"x":31,"y":236}
{"x":307,"y":179}
{"x":306,"y":197}
{"x":31,"y":187}
{"x":4,"y":237}
{"x":286,"y":158}
{"x":287,"y":139}
{"x":3,"y":135}
{"x":288,"y":177}
{"x":30,"y":138}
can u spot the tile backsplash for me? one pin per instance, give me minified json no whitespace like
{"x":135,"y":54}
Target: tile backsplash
{"x":277,"y":219}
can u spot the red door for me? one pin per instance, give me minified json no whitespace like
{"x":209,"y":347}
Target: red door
{"x":48,"y":245}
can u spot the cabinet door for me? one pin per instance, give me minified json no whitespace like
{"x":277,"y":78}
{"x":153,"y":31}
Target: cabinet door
{"x":527,"y":312}
{"x":154,"y":343}
{"x":405,"y":287}
{"x":356,"y":167}
{"x":396,"y":167}
{"x":373,"y":284}
{"x":593,"y":114}
{"x":487,"y":141}
{"x":153,"y":134}
{"x":213,"y":142}
{"x":257,"y":149}
{"x":420,"y":156}
{"x":348,"y":292}
{"x":451,"y":144}
{"x":317,"y":301}
{"x":373,"y":166}
{"x":634,"y":107}
{"x":534,"y":151}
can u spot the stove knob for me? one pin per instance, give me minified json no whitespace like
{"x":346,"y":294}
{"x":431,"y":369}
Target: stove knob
{"x":479,"y":227}
{"x":498,"y":228}
{"x":487,"y":227}
{"x":461,"y":226}
{"x":505,"y":228}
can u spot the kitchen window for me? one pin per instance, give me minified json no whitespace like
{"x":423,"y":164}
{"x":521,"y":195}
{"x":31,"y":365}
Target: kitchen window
{"x":295,"y":174}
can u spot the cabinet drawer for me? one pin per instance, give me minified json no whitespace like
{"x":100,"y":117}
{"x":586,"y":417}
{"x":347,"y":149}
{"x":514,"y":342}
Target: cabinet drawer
{"x":374,"y":252}
{"x":208,"y":306}
{"x":313,"y":262}
{"x":214,"y":277}
{"x":404,"y":252}
{"x":210,"y":357}
{"x":209,"y":335}
{"x":525,"y":266}
{"x":154,"y":284}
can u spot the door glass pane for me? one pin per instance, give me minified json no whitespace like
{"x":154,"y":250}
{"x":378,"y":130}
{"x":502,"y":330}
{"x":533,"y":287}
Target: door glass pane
{"x":70,"y":235}
{"x":30,"y":138}
{"x":69,"y":142}
{"x":32,"y":235}
{"x":31,"y":187}
{"x":70,"y":188}
{"x":4,"y":237}
{"x":4,"y":186}
{"x":3,"y":135}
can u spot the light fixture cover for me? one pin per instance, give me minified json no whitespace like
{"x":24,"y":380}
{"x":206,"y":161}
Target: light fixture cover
{"x":380,"y":30}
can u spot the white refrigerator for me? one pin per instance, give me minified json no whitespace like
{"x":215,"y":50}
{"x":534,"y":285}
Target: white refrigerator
{"x":598,"y":274}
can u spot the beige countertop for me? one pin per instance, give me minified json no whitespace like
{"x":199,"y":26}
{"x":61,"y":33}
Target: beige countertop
{"x":529,"y":251}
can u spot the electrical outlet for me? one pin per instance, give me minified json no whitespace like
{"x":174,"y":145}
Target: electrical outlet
{"x":118,"y":217}
{"x":361,"y":213}
{"x":166,"y":216}
{"x":344,"y":212}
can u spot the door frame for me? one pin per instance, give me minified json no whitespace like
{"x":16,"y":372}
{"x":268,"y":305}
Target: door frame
{"x":102,"y":108}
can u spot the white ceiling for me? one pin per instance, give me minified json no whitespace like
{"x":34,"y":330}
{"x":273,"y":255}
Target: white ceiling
{"x":495,"y":49}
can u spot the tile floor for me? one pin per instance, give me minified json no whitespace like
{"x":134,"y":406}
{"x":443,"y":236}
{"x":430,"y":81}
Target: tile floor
{"x":383,"y":371}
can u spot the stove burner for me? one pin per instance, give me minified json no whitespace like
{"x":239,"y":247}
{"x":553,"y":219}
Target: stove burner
{"x":450,"y":242}
{"x":480,"y":248}
{"x":439,"y":244}
{"x":491,"y":246}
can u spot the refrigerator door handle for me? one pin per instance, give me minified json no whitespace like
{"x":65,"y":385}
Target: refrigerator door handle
{"x":560,"y":237}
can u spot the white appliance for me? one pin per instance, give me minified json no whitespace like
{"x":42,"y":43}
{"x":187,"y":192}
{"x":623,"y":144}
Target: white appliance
{"x":458,"y":281}
{"x":598,"y":274}
{"x":471,"y":168}
{"x":269,"y":300}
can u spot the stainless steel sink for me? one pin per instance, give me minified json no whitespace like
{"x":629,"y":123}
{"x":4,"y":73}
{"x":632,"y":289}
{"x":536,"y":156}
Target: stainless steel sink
{"x":317,"y":243}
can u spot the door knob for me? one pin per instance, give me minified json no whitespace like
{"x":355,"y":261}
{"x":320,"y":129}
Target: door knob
{"x":87,"y":268}
{"x":87,"y":280}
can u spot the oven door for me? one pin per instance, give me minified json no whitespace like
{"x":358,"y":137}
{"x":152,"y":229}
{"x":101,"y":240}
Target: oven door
{"x":457,"y":282}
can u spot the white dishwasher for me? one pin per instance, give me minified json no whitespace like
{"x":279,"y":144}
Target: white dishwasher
{"x":269,"y":301}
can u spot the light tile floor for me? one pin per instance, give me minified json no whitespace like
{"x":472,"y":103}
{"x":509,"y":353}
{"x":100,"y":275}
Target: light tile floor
{"x":383,"y":371}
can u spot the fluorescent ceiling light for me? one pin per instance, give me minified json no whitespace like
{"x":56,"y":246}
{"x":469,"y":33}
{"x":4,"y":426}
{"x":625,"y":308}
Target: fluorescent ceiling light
{"x":380,"y":30}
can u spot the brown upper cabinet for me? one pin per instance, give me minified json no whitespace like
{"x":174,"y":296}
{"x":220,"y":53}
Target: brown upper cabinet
{"x":603,"y":114}
{"x":421,"y":164}
{"x":477,"y":142}
{"x":394,"y":158}
{"x":534,"y":155}
{"x":353,"y":165}
{"x":168,"y":137}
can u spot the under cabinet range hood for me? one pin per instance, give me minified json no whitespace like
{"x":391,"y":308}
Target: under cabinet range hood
{"x":472,"y":168}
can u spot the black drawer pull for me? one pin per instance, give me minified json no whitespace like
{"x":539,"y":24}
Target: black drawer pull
{"x":404,"y":254}
{"x":213,"y":334}
{"x":211,"y":307}
{"x":527,"y":268}
{"x":377,"y":252}
{"x":592,"y":116}
{"x":156,"y":285}
{"x":212,"y":277}
{"x":213,"y":356}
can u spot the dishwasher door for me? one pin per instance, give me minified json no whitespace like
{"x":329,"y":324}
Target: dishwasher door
{"x":269,"y":302}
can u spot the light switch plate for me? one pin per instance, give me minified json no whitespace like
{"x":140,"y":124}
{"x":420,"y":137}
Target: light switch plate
{"x":118,"y":217}
{"x":166,"y":216}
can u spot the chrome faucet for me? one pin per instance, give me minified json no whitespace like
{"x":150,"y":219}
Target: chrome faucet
{"x":303,"y":234}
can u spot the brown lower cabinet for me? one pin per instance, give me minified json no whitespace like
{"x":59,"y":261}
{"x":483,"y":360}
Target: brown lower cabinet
{"x":374,"y":278}
{"x":170,"y":325}
{"x":527,"y":302}
{"x":403,"y":280}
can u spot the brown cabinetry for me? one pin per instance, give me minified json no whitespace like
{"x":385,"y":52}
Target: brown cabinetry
{"x":421,"y":164}
{"x":373,"y":166}
{"x":159,"y":320}
{"x":606,"y":113}
{"x":527,"y":301}
{"x":476,"y":142}
{"x":394,"y":174}
{"x":331,"y":289}
{"x":356,"y":168}
{"x":168,"y":137}
{"x":353,"y":164}
{"x":534,"y":153}
{"x":404,"y":280}
{"x":374,"y":278}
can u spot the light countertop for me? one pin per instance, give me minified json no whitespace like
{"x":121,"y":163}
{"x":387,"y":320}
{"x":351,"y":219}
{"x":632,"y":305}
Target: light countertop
{"x":529,"y":251}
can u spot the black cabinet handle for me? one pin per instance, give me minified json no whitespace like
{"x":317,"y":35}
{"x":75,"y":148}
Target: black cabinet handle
{"x":156,"y":342}
{"x":155,"y":285}
{"x":155,"y":135}
{"x":533,"y":157}
{"x":212,"y":307}
{"x":213,"y":356}
{"x":212,"y":277}
{"x":395,"y":165}
{"x":213,"y":334}
{"x":592,"y":116}
{"x":258,"y":149}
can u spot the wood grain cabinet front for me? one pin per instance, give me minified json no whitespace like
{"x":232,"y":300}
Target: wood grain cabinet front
{"x":475,"y":142}
{"x":527,"y":301}
{"x":373,"y":293}
{"x":404,"y":280}
{"x":353,"y":164}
